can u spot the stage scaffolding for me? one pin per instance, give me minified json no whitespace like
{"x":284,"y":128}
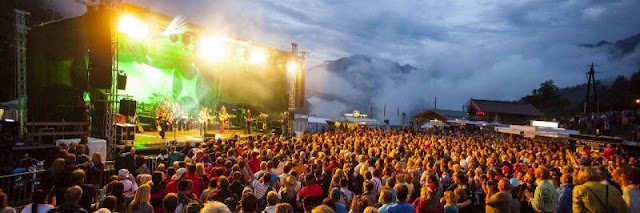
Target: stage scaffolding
{"x":21,"y":67}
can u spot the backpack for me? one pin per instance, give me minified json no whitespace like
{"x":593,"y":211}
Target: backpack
{"x":607,"y":208}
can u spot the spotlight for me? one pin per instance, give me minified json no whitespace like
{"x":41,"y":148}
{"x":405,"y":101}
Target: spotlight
{"x":133,"y":27}
{"x":292,"y":66}
{"x":257,"y":56}
{"x":211,"y":48}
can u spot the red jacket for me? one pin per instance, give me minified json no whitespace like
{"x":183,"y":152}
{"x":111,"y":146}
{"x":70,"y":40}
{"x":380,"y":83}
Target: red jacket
{"x":198,"y":185}
{"x":254,"y":165}
{"x":172,"y":186}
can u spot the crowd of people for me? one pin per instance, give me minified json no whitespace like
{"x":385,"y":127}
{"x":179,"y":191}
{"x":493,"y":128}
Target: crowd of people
{"x":355,"y":171}
{"x":625,"y":124}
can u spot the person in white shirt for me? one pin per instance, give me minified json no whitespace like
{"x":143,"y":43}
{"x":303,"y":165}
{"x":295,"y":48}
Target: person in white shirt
{"x":39,"y":200}
{"x":272,"y":201}
{"x":130,"y":185}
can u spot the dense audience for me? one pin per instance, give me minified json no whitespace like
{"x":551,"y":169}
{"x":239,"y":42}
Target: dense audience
{"x":355,"y":171}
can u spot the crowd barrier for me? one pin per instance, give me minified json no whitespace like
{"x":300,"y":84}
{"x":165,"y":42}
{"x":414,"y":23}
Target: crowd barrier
{"x":20,"y":187}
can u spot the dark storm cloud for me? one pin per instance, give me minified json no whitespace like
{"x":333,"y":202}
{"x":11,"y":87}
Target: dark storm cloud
{"x":498,"y":49}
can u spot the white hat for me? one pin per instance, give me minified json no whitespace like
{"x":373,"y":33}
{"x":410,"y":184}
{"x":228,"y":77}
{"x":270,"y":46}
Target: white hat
{"x":180,"y":172}
{"x":123,"y":173}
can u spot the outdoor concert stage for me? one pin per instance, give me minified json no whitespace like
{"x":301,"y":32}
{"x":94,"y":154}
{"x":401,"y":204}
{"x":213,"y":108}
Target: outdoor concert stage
{"x":151,"y":141}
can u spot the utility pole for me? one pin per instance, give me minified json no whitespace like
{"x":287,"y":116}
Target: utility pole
{"x":591,"y":100}
{"x":435,"y":103}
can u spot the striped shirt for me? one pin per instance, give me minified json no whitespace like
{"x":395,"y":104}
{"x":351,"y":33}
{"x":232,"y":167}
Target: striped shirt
{"x":259,"y":189}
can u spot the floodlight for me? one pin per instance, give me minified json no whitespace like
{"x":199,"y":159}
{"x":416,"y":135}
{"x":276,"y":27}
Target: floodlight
{"x":257,"y":56}
{"x":292,"y":66}
{"x":211,"y":48}
{"x":133,"y":27}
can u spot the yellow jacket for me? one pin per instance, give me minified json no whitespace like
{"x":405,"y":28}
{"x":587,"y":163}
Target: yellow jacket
{"x":591,"y":197}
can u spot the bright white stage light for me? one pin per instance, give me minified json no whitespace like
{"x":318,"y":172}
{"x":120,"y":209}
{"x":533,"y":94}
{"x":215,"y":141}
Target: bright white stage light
{"x":133,"y":27}
{"x":211,"y":48}
{"x":257,"y":56}
{"x":292,"y":66}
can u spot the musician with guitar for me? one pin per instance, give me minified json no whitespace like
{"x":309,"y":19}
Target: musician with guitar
{"x":203,"y":119}
{"x":224,"y":118}
{"x":162,"y":122}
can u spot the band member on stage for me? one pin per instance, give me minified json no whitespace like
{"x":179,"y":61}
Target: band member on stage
{"x":163,"y":123}
{"x":203,"y":119}
{"x":247,"y":120}
{"x":224,"y":118}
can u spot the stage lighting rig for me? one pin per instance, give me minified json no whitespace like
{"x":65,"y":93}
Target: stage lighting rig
{"x":292,"y":66}
{"x":133,"y":27}
{"x":211,"y":48}
{"x":258,"y":56}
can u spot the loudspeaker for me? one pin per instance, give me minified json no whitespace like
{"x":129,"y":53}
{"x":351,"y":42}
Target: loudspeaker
{"x":122,"y":81}
{"x":125,"y":132}
{"x":98,"y":34}
{"x":127,"y":107}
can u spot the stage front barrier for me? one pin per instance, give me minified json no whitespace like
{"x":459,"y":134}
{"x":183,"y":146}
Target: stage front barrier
{"x":94,"y":145}
{"x":20,"y":187}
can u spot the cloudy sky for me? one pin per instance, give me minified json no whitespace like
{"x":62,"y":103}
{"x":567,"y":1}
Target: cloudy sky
{"x":480,"y":48}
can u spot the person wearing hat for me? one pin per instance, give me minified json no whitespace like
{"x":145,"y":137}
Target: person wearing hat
{"x":172,"y":186}
{"x":427,"y":202}
{"x":129,"y":182}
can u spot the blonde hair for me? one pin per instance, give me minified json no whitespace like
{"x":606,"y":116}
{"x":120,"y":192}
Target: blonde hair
{"x":144,"y":179}
{"x":200,"y":170}
{"x":449,"y":198}
{"x":142,"y":196}
{"x":322,"y":209}
{"x":586,"y":174}
{"x":160,"y":167}
{"x":370,"y":210}
{"x":290,"y":182}
{"x":423,"y":193}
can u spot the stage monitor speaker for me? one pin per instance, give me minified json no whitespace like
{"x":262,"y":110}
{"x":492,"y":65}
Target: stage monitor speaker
{"x":122,"y":82}
{"x":209,"y":136}
{"x":127,"y":107}
{"x":125,"y":132}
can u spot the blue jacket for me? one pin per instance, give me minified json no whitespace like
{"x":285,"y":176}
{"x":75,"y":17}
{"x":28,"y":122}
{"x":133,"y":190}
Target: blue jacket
{"x":401,"y":207}
{"x":565,"y":198}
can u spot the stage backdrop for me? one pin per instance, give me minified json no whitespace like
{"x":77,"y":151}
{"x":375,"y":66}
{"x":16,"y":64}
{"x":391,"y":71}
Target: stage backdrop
{"x":167,"y":65}
{"x":72,"y":57}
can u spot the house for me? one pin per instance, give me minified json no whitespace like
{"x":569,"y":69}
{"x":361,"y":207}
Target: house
{"x":505,"y":112}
